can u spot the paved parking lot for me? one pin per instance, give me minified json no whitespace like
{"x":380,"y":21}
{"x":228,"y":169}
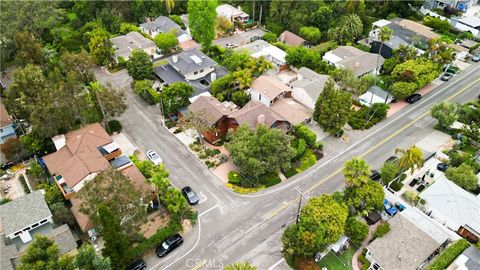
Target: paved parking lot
{"x":239,"y":39}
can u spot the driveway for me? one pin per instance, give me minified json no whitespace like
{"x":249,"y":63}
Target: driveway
{"x":239,"y":39}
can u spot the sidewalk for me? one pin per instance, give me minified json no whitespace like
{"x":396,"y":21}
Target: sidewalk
{"x":399,"y":105}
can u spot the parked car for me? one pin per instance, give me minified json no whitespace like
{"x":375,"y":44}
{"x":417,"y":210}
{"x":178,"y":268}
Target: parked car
{"x":190,"y":195}
{"x":413,"y":98}
{"x":168,"y":245}
{"x":476,"y":58}
{"x":442,"y":167}
{"x":255,"y":38}
{"x":154,"y":157}
{"x":446,"y":76}
{"x":375,"y":176}
{"x":137,"y":265}
{"x":230,"y":46}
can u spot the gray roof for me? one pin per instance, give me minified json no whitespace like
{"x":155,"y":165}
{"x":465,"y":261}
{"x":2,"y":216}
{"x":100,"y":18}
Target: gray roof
{"x":7,"y":254}
{"x":254,"y":47}
{"x":24,"y":211}
{"x":190,"y":61}
{"x":473,"y":255}
{"x":404,"y":247}
{"x":395,"y":42}
{"x":123,"y":45}
{"x":163,"y":24}
{"x":311,"y":82}
{"x":379,"y":92}
{"x":63,"y":238}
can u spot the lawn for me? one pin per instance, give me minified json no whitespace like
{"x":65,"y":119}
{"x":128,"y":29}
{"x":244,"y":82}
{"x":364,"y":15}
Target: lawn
{"x":342,"y":262}
{"x":306,"y":161}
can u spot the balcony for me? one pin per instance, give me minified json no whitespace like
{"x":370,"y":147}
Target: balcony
{"x":67,"y":192}
{"x":110,"y":151}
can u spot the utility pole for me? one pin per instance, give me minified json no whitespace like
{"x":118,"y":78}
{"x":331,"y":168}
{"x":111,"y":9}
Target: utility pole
{"x":302,"y":194}
{"x":260,"y":18}
{"x":160,"y":106}
{"x":253,"y":4}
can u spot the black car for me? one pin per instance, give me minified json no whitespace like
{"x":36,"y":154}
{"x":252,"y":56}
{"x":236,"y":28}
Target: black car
{"x":446,"y":76}
{"x":442,"y":167}
{"x":391,"y":159}
{"x":255,"y":38}
{"x":375,"y":176}
{"x":168,"y":245}
{"x":413,"y":98}
{"x":190,"y":195}
{"x":137,"y":265}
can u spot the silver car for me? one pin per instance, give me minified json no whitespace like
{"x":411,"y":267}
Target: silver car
{"x":154,"y":157}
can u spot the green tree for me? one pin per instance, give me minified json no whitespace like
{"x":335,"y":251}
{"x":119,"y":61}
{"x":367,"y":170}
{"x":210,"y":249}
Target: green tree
{"x":223,"y":25}
{"x":87,"y":259}
{"x":202,"y":17}
{"x":139,"y":65}
{"x":112,"y":102}
{"x":114,"y":190}
{"x":169,"y":5}
{"x":240,"y":266}
{"x":53,"y":195}
{"x":349,"y":28}
{"x":445,"y":113}
{"x":116,"y":242}
{"x":439,"y":25}
{"x":270,"y":37}
{"x":389,"y":171}
{"x":364,"y":198}
{"x":332,"y":109}
{"x":384,"y":35}
{"x":61,"y":214}
{"x":160,"y":181}
{"x":175,"y":96}
{"x":166,"y":41}
{"x":464,"y":176}
{"x":381,"y":230}
{"x":302,"y":131}
{"x":79,"y":64}
{"x":356,"y":172}
{"x":311,"y":34}
{"x":126,"y":28}
{"x":260,"y":151}
{"x":28,"y":49}
{"x":240,"y":98}
{"x":356,"y":230}
{"x":440,"y":52}
{"x":411,"y":158}
{"x":402,"y":90}
{"x":100,"y":46}
{"x":43,"y":254}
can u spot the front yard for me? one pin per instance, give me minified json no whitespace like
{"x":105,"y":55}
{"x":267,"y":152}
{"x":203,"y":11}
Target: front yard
{"x":338,"y":262}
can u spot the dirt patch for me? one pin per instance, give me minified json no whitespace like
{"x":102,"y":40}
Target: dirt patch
{"x":156,"y":221}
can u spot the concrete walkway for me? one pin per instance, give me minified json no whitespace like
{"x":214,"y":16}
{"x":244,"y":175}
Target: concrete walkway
{"x":365,"y":242}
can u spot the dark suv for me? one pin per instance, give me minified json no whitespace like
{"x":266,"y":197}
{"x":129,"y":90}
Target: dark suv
{"x":413,"y":98}
{"x":168,"y":245}
{"x":137,"y":265}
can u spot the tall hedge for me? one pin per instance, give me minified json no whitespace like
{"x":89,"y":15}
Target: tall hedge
{"x":449,"y":255}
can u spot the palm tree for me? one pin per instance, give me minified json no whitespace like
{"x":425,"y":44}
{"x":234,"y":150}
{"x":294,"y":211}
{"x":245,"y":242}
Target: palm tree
{"x":352,"y":26}
{"x":410,"y":158}
{"x":356,"y":172}
{"x":243,"y":78}
{"x":241,"y":266}
{"x":169,"y":5}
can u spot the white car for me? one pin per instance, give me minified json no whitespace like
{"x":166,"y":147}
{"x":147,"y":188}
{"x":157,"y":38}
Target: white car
{"x":230,"y":45}
{"x":154,"y":157}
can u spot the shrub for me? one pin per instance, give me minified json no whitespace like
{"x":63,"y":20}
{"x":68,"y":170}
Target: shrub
{"x":270,"y":180}
{"x":308,"y":160}
{"x":356,"y":230}
{"x":233,"y":177}
{"x":411,"y":197}
{"x":303,"y":132}
{"x":300,"y":147}
{"x":270,"y":37}
{"x":5,"y":200}
{"x":24,"y":183}
{"x":396,"y":185}
{"x":361,"y":258}
{"x":449,"y":255}
{"x":244,"y":190}
{"x":381,"y":230}
{"x":35,"y":169}
{"x":114,"y":126}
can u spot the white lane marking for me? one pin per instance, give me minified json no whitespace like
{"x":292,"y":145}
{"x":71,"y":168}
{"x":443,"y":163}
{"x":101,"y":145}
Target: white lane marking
{"x":208,"y":210}
{"x":201,"y":197}
{"x":276,"y":264}
{"x":314,"y":170}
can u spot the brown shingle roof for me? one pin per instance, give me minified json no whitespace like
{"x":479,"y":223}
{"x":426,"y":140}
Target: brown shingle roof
{"x":269,"y":86}
{"x":80,"y":156}
{"x":251,"y":112}
{"x":211,"y":106}
{"x":5,"y":118}
{"x":291,"y":110}
{"x":290,"y":38}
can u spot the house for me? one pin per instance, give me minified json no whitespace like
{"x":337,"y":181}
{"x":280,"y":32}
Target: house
{"x":358,"y":61}
{"x":413,"y":33}
{"x":268,"y":89}
{"x":255,"y":113}
{"x":192,"y":67}
{"x":454,"y":207}
{"x":462,"y":5}
{"x":232,"y":13}
{"x":7,"y":127}
{"x":271,"y":53}
{"x":291,"y":39}
{"x":308,"y":85}
{"x":164,"y":24}
{"x":388,"y":46}
{"x":469,"y":259}
{"x":292,"y":111}
{"x":125,"y":44}
{"x":467,"y":24}
{"x":412,"y":241}
{"x":22,"y":219}
{"x":81,"y":154}
{"x":374,"y":95}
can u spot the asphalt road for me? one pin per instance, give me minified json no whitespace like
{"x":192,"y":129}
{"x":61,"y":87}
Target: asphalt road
{"x":235,"y":227}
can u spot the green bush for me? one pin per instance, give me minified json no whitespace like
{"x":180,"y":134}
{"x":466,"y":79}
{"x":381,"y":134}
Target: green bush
{"x":270,"y":180}
{"x":396,"y":185}
{"x":449,"y":255}
{"x":233,"y":178}
{"x":356,"y":230}
{"x":114,"y":126}
{"x":381,"y":230}
{"x":5,"y":200}
{"x":270,"y":37}
{"x":300,"y":147}
{"x":24,"y":183}
{"x":361,"y":258}
{"x":307,"y":160}
{"x":375,"y":114}
{"x":303,"y":132}
{"x":319,"y":146}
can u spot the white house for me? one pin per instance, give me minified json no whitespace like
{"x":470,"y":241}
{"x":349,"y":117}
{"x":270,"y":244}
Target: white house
{"x":232,"y":13}
{"x":356,"y":60}
{"x":164,"y":24}
{"x":308,"y":86}
{"x":260,"y":48}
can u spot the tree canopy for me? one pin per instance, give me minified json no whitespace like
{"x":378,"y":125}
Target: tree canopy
{"x":43,"y":254}
{"x":445,"y":113}
{"x":411,"y":158}
{"x":139,"y":65}
{"x":202,"y":16}
{"x":166,"y":41}
{"x":464,"y":176}
{"x":175,"y":96}
{"x":356,"y":172}
{"x":87,"y":259}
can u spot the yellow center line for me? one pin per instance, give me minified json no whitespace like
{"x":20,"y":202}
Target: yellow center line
{"x":314,"y":186}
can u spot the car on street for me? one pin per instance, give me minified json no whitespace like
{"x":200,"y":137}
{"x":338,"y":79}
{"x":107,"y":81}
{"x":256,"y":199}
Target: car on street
{"x":413,"y":98}
{"x":375,"y":175}
{"x":446,"y":76}
{"x":442,"y":167}
{"x":171,"y":243}
{"x":230,"y":45}
{"x":154,"y":157}
{"x":137,"y":265}
{"x":190,"y":195}
{"x":476,"y":58}
{"x":255,"y":38}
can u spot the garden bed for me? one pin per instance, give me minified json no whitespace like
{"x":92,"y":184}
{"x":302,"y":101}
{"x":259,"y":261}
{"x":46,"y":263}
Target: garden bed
{"x":210,"y":157}
{"x":308,"y":159}
{"x":242,"y":185}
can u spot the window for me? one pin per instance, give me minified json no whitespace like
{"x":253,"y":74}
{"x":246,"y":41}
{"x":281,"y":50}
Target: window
{"x":195,"y":72}
{"x":201,"y":70}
